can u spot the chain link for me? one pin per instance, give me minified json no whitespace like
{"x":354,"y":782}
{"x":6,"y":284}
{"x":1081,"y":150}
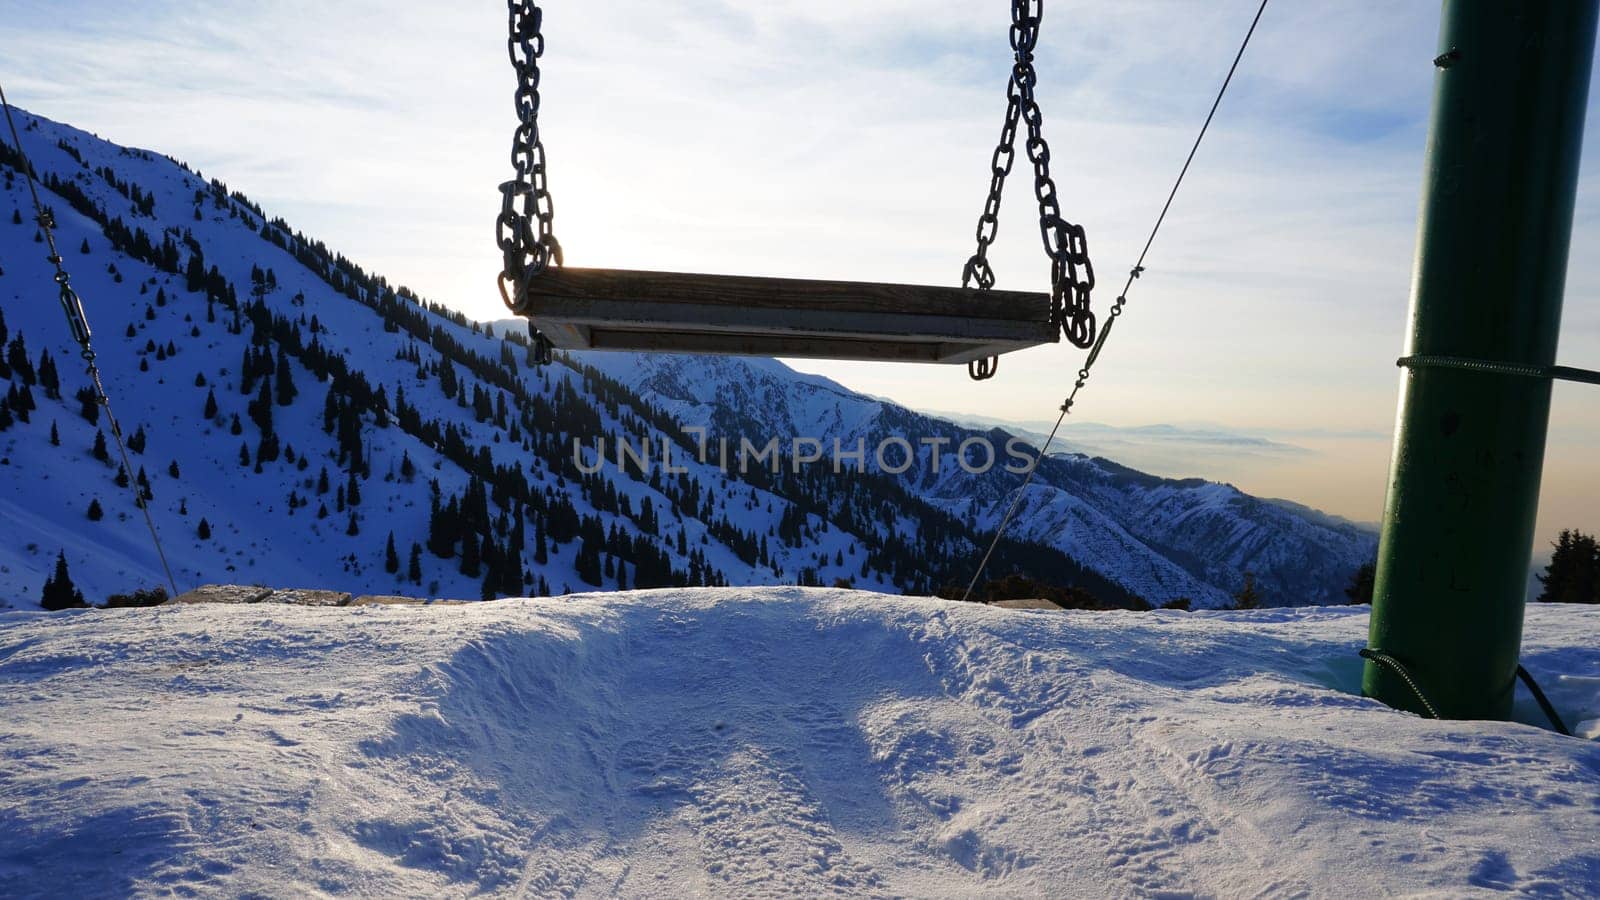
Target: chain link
{"x":525,"y":230}
{"x":1071,"y":273}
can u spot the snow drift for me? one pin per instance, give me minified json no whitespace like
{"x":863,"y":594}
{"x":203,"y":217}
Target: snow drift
{"x":750,"y":742}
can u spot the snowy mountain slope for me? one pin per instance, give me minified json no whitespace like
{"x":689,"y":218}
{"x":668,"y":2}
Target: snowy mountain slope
{"x":768,"y":742}
{"x":365,"y":337}
{"x":197,"y":297}
{"x":1157,"y":537}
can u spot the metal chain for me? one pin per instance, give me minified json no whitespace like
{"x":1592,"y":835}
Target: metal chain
{"x":1071,"y":273}
{"x":1099,"y":343}
{"x":78,"y":322}
{"x":528,"y":248}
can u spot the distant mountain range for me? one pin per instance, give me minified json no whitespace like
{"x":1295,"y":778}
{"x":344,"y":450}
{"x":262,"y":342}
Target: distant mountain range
{"x":299,"y":421}
{"x":1159,"y":538}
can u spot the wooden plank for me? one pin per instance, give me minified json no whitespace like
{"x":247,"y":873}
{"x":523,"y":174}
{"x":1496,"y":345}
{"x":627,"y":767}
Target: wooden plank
{"x":787,"y":294}
{"x":808,"y":346}
{"x":768,"y":345}
{"x":565,"y":320}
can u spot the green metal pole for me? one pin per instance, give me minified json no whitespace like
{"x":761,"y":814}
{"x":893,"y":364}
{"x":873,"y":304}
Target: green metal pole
{"x":1510,"y":88}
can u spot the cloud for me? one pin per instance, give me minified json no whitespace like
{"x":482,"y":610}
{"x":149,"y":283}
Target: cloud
{"x":844,"y":139}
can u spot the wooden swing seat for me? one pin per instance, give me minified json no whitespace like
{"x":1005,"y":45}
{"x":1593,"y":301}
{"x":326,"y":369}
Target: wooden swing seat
{"x":673,"y":312}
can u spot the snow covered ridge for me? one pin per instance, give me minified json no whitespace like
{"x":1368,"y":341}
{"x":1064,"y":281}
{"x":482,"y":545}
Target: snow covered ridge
{"x":297,"y":416}
{"x":1157,"y":537}
{"x":761,"y":742}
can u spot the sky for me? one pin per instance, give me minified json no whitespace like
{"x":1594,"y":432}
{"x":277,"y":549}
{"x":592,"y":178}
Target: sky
{"x":850,"y":139}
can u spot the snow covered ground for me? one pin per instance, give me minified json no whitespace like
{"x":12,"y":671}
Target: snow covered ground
{"x":751,"y":742}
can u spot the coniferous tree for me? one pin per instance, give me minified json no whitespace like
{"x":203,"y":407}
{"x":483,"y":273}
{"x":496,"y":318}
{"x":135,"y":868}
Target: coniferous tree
{"x":85,"y":247}
{"x":99,"y":450}
{"x":267,"y":449}
{"x":88,"y":405}
{"x":95,"y":512}
{"x":353,"y":528}
{"x":442,"y":527}
{"x":260,"y":409}
{"x":13,"y":401}
{"x":588,"y":563}
{"x":247,"y":373}
{"x":55,"y":436}
{"x":414,"y":567}
{"x":1247,"y":597}
{"x":59,"y":591}
{"x":471,"y":557}
{"x":49,"y":378}
{"x":203,"y":531}
{"x":1573,"y":575}
{"x":447,"y":378}
{"x":210,"y":411}
{"x":330,"y":410}
{"x":1359,"y":591}
{"x":391,"y":557}
{"x":285,"y":381}
{"x":17,"y":359}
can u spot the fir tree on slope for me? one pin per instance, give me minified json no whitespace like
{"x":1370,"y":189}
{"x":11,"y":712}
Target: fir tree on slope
{"x":1359,"y":591}
{"x":59,"y":591}
{"x":1247,"y":597}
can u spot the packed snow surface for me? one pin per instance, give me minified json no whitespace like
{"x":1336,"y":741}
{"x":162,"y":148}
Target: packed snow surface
{"x":752,"y":742}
